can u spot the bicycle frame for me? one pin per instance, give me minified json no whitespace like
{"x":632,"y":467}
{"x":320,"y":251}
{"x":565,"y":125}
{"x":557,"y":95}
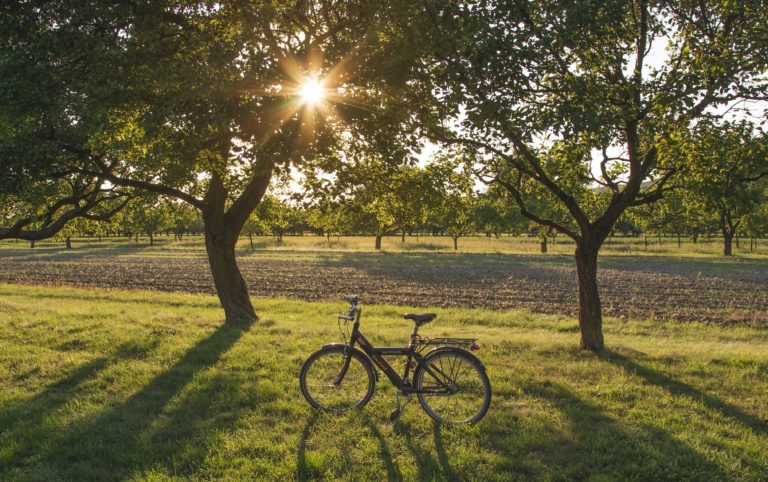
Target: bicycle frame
{"x":377,"y":356}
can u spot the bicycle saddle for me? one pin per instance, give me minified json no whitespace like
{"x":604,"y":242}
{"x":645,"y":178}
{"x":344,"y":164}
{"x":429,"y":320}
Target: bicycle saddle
{"x":352,"y":298}
{"x":420,"y":318}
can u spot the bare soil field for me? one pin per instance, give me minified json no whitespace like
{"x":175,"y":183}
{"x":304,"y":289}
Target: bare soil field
{"x":732,"y":292}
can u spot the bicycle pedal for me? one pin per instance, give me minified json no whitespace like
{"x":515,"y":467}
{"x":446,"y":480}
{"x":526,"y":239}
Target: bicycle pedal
{"x":395,"y":415}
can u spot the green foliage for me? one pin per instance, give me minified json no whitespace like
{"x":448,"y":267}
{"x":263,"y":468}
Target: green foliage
{"x":147,"y":214}
{"x":756,"y":222}
{"x":376,"y":196}
{"x":182,"y":100}
{"x":566,"y":104}
{"x":455,"y":211}
{"x":273,"y":216}
{"x":726,"y":171}
{"x":181,"y":217}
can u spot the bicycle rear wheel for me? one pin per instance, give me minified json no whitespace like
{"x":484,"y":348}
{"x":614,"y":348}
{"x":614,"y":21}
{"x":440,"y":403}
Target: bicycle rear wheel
{"x":320,"y":374}
{"x":458,"y":388}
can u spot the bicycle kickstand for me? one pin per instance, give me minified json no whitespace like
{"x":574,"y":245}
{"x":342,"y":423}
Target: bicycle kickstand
{"x":394,"y":416}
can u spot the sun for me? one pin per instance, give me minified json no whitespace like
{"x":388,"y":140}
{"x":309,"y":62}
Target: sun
{"x":311,"y":91}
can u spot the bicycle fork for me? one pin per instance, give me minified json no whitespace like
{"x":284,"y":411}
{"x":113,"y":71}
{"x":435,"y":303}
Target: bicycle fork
{"x":344,"y":367}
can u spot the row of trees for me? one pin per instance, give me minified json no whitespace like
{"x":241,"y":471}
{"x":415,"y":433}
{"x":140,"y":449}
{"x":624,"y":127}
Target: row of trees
{"x":545,"y":100}
{"x":726,"y":192}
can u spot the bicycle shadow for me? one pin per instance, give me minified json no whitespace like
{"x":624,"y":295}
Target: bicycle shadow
{"x":442,"y":455}
{"x":303,"y":467}
{"x":305,"y":471}
{"x":393,"y":471}
{"x":677,"y":388}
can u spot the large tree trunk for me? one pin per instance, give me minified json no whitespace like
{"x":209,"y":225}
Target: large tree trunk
{"x":543,"y":245}
{"x":378,"y":242}
{"x":590,"y":313}
{"x":230,"y":286}
{"x":455,"y":243}
{"x":68,"y":242}
{"x":222,"y":229}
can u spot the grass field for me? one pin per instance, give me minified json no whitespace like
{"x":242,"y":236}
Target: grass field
{"x":194,"y":246}
{"x":108,"y":385}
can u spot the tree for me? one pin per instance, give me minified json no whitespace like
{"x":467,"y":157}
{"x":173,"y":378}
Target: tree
{"x":455,"y":212}
{"x":378,"y":195}
{"x":569,"y":96}
{"x":46,"y":88}
{"x":726,"y":163}
{"x":181,"y":218}
{"x":77,"y":227}
{"x":276,"y":216}
{"x":146,"y":214}
{"x":756,"y":223}
{"x":491,"y":213}
{"x":195,"y":101}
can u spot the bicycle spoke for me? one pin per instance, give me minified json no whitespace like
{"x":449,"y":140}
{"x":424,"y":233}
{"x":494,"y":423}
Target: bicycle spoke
{"x":322,"y":373}
{"x":465,"y":400}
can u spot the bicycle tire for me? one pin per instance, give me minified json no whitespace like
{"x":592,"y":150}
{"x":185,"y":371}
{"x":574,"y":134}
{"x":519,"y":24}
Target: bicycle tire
{"x":323,"y":366}
{"x":473,"y":398}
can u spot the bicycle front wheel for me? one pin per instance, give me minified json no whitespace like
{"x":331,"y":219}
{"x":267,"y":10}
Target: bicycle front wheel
{"x":325,"y":386}
{"x":453,"y":387}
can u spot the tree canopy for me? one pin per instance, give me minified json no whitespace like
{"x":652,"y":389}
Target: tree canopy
{"x":580,"y":102}
{"x":192,"y":100}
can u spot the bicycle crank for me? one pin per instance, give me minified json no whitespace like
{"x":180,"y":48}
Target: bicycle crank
{"x":394,"y":416}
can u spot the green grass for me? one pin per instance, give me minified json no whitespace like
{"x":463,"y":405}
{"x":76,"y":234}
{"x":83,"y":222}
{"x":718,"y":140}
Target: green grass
{"x":310,"y":246}
{"x":107,"y":385}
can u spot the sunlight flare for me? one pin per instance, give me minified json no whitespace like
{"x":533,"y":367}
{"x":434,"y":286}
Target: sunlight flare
{"x":311,"y":91}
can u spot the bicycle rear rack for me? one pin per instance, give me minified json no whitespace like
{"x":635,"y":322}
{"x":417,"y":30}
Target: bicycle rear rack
{"x":451,"y":341}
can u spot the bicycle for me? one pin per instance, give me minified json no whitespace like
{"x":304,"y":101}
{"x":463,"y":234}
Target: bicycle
{"x":449,"y":381}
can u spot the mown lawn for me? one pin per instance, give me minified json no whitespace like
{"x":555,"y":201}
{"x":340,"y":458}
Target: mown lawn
{"x":105,"y":385}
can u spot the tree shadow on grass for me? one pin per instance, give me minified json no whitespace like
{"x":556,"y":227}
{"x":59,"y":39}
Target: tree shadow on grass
{"x":678,"y":388}
{"x":22,"y":426}
{"x":122,"y":439}
{"x":597,"y":446}
{"x":53,"y":396}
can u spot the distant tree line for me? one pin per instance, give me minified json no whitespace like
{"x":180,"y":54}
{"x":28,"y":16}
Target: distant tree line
{"x":724,"y":194}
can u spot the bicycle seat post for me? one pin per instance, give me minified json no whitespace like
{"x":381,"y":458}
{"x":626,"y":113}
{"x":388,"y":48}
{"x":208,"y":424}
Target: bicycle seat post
{"x":415,"y":334}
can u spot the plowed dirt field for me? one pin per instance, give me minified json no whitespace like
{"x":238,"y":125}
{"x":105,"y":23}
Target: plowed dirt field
{"x":733,"y":292}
